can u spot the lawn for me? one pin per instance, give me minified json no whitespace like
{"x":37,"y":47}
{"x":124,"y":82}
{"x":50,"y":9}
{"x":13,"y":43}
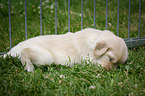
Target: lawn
{"x":87,"y":80}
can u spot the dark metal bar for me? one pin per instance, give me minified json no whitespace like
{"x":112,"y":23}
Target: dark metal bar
{"x":118,"y":20}
{"x":10,"y":24}
{"x":106,"y":13}
{"x":40,"y":17}
{"x":2,"y":53}
{"x":135,"y":42}
{"x":55,"y":16}
{"x":139,"y":18}
{"x":82,"y":14}
{"x":94,"y":13}
{"x":26,"y":19}
{"x":129,"y":21}
{"x":68,"y":15}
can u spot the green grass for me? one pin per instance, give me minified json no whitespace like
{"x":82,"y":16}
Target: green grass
{"x":45,"y":80}
{"x":129,"y":79}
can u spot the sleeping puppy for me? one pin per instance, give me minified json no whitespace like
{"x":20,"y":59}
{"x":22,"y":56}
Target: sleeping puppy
{"x":101,"y":47}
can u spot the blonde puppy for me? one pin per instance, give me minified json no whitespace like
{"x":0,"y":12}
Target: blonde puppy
{"x":101,"y":47}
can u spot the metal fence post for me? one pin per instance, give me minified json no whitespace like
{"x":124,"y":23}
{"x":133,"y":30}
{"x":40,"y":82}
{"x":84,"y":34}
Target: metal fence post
{"x":10,"y":24}
{"x":106,"y":13}
{"x":26,"y":19}
{"x":129,"y":21}
{"x":55,"y":16}
{"x":68,"y":15}
{"x":40,"y":17}
{"x":118,"y":20}
{"x":81,"y":14}
{"x":139,"y":18}
{"x":94,"y":13}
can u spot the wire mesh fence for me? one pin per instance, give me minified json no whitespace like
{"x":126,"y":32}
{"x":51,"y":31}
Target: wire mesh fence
{"x":131,"y":42}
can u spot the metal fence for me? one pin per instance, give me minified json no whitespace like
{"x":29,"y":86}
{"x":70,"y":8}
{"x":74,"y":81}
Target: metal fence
{"x":131,"y":42}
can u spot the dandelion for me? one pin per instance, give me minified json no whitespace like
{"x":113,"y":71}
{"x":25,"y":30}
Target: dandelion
{"x":62,"y":76}
{"x":92,"y":87}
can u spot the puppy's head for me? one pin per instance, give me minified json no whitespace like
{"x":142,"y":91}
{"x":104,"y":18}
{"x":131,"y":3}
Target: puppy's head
{"x":110,"y":50}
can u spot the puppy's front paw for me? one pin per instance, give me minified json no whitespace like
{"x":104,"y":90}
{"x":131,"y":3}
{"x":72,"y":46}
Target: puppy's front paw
{"x":29,"y":68}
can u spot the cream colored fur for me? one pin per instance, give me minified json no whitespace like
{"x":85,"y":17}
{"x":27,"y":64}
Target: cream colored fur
{"x":101,"y":47}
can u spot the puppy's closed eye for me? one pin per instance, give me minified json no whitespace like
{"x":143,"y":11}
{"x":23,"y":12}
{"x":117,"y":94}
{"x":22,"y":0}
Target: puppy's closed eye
{"x":111,"y":59}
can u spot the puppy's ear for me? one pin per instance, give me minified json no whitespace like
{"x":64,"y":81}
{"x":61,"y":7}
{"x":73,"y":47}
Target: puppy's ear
{"x":100,"y":49}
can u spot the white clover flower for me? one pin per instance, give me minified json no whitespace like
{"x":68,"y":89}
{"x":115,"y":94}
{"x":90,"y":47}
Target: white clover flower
{"x":135,"y":85}
{"x":51,"y":11}
{"x":2,"y":6}
{"x":38,"y":7}
{"x":120,"y":83}
{"x":109,"y":24}
{"x":99,"y":65}
{"x":45,"y":77}
{"x":46,"y":1}
{"x":43,"y":3}
{"x":12,"y":7}
{"x":60,"y":81}
{"x":12,"y":12}
{"x":92,"y":87}
{"x":34,"y":10}
{"x":62,"y":76}
{"x":21,"y":2}
{"x":47,"y":7}
{"x":33,"y":6}
{"x":52,"y":6}
{"x":21,"y":15}
{"x":98,"y":76}
{"x":130,"y":94}
{"x":87,"y":62}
